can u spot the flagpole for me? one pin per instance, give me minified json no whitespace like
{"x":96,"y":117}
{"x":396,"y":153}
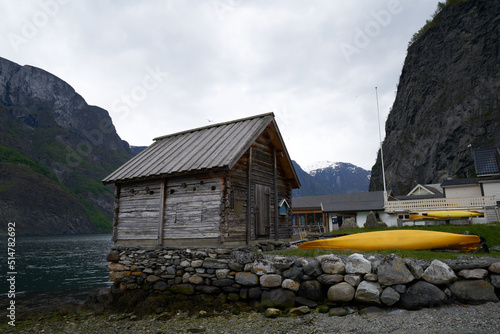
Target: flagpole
{"x":381,"y":150}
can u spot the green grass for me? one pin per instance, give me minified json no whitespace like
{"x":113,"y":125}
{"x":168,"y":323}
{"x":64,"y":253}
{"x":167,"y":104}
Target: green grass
{"x":101,"y":222}
{"x":8,"y":155}
{"x":491,"y":232}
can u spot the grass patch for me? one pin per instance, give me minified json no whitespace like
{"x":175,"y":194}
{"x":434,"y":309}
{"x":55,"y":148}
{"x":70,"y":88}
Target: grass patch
{"x":101,"y":222}
{"x":491,"y":232}
{"x":8,"y":155}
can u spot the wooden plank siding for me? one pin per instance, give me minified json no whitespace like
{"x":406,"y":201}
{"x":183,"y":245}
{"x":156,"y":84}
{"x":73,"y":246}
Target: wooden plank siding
{"x":192,"y":207}
{"x":138,"y":211}
{"x":210,"y":205}
{"x":262,"y":174}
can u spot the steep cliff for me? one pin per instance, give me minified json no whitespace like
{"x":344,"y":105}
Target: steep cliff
{"x":54,"y":150}
{"x":447,"y":101}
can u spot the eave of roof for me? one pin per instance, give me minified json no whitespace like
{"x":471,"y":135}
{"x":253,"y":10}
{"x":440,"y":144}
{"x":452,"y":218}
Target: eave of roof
{"x":459,"y":182}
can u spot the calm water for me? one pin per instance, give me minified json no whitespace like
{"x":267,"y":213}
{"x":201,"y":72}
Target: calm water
{"x":53,"y":263}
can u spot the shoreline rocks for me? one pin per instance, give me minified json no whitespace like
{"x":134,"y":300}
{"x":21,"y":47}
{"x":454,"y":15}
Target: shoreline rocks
{"x":180,"y":277}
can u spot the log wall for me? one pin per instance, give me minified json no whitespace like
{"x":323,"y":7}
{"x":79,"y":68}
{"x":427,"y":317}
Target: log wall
{"x":138,"y":211}
{"x":262,"y":173}
{"x":192,"y":207}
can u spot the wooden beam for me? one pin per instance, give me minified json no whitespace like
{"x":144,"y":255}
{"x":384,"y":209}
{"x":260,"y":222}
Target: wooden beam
{"x":161,"y":219}
{"x":276,"y":209}
{"x":116,"y":211}
{"x":249,"y":196}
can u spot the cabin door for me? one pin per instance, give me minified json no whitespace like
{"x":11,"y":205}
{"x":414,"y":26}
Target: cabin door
{"x":262,"y":210}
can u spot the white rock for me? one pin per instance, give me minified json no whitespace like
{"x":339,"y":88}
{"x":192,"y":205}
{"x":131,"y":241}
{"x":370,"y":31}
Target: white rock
{"x":357,"y":264}
{"x":439,"y":273}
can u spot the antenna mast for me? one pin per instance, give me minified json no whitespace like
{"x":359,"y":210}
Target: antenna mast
{"x":381,"y":150}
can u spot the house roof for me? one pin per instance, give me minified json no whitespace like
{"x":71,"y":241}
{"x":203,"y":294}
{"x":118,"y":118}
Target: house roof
{"x":213,"y":147}
{"x":459,"y":182}
{"x":487,"y":161}
{"x":366,"y":201}
{"x":309,"y":202}
{"x":415,"y":197}
{"x":429,"y":189}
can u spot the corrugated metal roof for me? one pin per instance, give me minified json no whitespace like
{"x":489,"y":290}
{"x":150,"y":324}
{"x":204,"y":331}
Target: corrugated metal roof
{"x":460,"y":182}
{"x":487,"y":161}
{"x":365,"y":201}
{"x":210,"y":147}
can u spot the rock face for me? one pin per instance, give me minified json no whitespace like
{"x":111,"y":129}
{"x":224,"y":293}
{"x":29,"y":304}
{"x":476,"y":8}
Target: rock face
{"x":392,"y":271}
{"x":357,"y":264}
{"x":54,"y":151}
{"x":342,"y":292}
{"x":331,"y":264}
{"x":447,"y":99}
{"x":278,"y":298}
{"x":474,"y":291}
{"x":371,"y":221}
{"x":439,"y":273}
{"x":422,"y":294}
{"x":368,"y":292}
{"x":390,"y":296}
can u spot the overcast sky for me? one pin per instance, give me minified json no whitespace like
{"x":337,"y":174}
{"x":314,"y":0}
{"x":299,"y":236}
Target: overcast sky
{"x":160,"y":67}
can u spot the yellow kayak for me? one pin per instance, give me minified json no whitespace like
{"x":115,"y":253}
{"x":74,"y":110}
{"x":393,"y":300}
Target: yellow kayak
{"x":453,"y":214}
{"x":396,"y":239}
{"x":447,"y":214}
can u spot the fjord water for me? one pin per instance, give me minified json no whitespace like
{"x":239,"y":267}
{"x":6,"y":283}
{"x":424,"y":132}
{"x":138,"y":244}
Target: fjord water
{"x":57,"y":263}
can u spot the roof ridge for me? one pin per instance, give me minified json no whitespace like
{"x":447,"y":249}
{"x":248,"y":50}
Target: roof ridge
{"x":215,"y":125}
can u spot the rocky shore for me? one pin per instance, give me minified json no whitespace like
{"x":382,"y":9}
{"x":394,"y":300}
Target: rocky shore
{"x":456,"y":318}
{"x":148,"y":281}
{"x":77,"y":312}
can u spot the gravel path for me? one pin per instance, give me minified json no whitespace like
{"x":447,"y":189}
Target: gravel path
{"x":447,"y":319}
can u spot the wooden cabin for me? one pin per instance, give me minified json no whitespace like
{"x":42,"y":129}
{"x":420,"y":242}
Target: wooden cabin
{"x":221,"y":185}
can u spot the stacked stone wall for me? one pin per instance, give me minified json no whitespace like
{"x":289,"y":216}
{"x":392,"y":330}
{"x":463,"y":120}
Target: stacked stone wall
{"x":275,"y":281}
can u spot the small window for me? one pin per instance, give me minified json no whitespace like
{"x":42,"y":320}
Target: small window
{"x":302,"y":219}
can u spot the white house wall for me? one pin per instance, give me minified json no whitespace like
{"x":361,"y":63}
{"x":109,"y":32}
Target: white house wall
{"x":389,"y":219}
{"x":492,"y":189}
{"x":460,"y":192}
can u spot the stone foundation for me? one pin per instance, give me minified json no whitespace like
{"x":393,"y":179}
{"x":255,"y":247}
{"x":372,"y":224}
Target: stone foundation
{"x":212,"y":277}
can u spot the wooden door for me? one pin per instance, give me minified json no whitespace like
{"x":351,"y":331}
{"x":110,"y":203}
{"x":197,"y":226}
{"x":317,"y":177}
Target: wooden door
{"x":262,"y":210}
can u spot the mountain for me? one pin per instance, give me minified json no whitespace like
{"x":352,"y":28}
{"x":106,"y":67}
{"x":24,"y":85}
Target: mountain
{"x":331,"y":178}
{"x":448,"y":98}
{"x":137,"y":149}
{"x":54,"y":151}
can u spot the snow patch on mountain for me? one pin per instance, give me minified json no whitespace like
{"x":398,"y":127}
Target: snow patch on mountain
{"x":331,"y":178}
{"x":311,"y":169}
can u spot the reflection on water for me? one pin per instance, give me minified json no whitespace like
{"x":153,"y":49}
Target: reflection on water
{"x":58,"y":262}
